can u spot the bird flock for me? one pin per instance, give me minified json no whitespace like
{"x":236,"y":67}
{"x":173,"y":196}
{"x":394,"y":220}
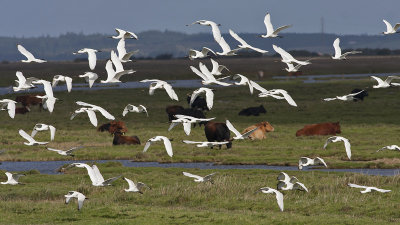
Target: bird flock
{"x":115,"y":70}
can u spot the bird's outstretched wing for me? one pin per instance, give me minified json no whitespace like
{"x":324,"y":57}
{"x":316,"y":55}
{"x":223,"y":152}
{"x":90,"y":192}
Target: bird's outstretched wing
{"x":192,"y":175}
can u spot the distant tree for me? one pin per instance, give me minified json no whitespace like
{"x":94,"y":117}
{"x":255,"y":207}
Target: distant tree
{"x":164,"y":56}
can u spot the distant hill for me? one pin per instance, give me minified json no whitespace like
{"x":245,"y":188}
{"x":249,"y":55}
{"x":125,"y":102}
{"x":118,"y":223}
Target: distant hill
{"x":154,"y":43}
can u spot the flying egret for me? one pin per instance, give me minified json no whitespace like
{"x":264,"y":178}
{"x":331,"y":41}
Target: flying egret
{"x":95,"y":175}
{"x":167,"y":144}
{"x":349,"y":97}
{"x":66,"y":152}
{"x":368,"y":189}
{"x":385,"y":83}
{"x":339,"y":138}
{"x":67,"y":80}
{"x":278,"y":94}
{"x":135,"y":187}
{"x":48,"y":100}
{"x":12,"y":178}
{"x":202,"y":144}
{"x":305,"y":161}
{"x":74,"y":194}
{"x":123,"y":34}
{"x":199,"y":179}
{"x":243,"y":43}
{"x":338,"y":52}
{"x":112,"y":75}
{"x":43,"y":127}
{"x":30,"y":140}
{"x":137,"y":109}
{"x":226,"y":49}
{"x":390,"y":147}
{"x":390,"y":29}
{"x":209,"y":96}
{"x":194,"y":54}
{"x":271,"y":33}
{"x":292,"y":68}
{"x":238,"y":135}
{"x":97,"y":109}
{"x":289,"y":183}
{"x":186,"y":121}
{"x":206,"y":75}
{"x":217,"y":69}
{"x":243,"y":81}
{"x":214,"y":28}
{"x":91,"y":56}
{"x":287,"y":57}
{"x":90,"y":77}
{"x":123,"y":55}
{"x":278,"y":195}
{"x":28,"y":55}
{"x":8,"y":105}
{"x":155,"y":84}
{"x":23,"y":83}
{"x":119,"y":68}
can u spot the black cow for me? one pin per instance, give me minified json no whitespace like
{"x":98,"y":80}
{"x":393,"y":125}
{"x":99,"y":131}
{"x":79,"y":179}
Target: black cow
{"x":360,"y":96}
{"x":252,"y":111}
{"x":218,"y":132}
{"x":198,"y":103}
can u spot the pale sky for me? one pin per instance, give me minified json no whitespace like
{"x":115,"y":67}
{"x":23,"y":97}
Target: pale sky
{"x":53,"y":17}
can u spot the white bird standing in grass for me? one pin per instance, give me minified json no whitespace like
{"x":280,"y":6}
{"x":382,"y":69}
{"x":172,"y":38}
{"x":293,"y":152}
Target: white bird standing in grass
{"x":368,"y":189}
{"x":209,"y":96}
{"x":90,"y":78}
{"x":30,"y":140}
{"x":390,"y":147}
{"x":156,"y":84}
{"x":194,"y":54}
{"x":243,"y":81}
{"x":123,"y":34}
{"x":123,"y":55}
{"x":66,"y":152}
{"x":95,"y":175}
{"x":135,"y":187}
{"x":200,"y":179}
{"x":67,"y":80}
{"x":287,"y":57}
{"x":278,"y":195}
{"x":91,"y":56}
{"x":43,"y":127}
{"x":385,"y":83}
{"x":214,"y":28}
{"x":349,"y":97}
{"x":23,"y":83}
{"x":202,"y":144}
{"x":217,"y":69}
{"x":136,"y":109}
{"x":238,"y":135}
{"x":8,"y":105}
{"x":305,"y":161}
{"x":339,"y":138}
{"x":338,"y":51}
{"x":12,"y":178}
{"x":390,"y":29}
{"x":74,"y":194}
{"x":271,"y":33}
{"x":206,"y":76}
{"x":243,"y":43}
{"x":167,"y":144}
{"x":28,"y":55}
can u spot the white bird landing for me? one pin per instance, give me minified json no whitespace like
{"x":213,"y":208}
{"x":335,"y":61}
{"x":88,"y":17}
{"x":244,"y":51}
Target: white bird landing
{"x":123,"y":55}
{"x":368,"y":189}
{"x":278,"y":195}
{"x":91,"y":56}
{"x":12,"y":178}
{"x":202,"y":144}
{"x":8,"y":105}
{"x":66,"y":152}
{"x":287,"y":57}
{"x":135,"y":187}
{"x":199,"y":179}
{"x":67,"y":80}
{"x":123,"y":34}
{"x":194,"y":54}
{"x":390,"y":147}
{"x":338,"y":51}
{"x":30,"y":140}
{"x":214,"y":28}
{"x":385,"y":83}
{"x":28,"y":55}
{"x":95,"y":175}
{"x":349,"y":97}
{"x":278,"y":94}
{"x":217,"y":69}
{"x":243,"y":81}
{"x":305,"y":161}
{"x":289,"y":183}
{"x":43,"y":127}
{"x":390,"y":29}
{"x":155,"y":84}
{"x":23,"y":83}
{"x":209,"y":96}
{"x":243,"y":43}
{"x":339,"y":138}
{"x":206,"y":76}
{"x":271,"y":33}
{"x":136,"y":109}
{"x":74,"y":194}
{"x":238,"y":135}
{"x":167,"y":144}
{"x":90,"y":78}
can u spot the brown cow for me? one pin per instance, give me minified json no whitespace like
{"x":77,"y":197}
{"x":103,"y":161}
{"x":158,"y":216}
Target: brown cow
{"x":259,"y":134}
{"x":218,"y":132}
{"x":319,"y":129}
{"x":119,"y":139}
{"x":172,"y":110}
{"x":113,"y":126}
{"x":29,"y":100}
{"x":22,"y":110}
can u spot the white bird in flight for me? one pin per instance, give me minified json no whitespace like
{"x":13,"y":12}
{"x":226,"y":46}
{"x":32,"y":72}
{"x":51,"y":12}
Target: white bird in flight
{"x":112,"y":75}
{"x":390,"y":29}
{"x":278,"y":195}
{"x":217,"y":69}
{"x":226,"y":49}
{"x":167,"y":144}
{"x":271,"y":33}
{"x":287,"y":57}
{"x":43,"y":127}
{"x":194,"y":54}
{"x":28,"y":55}
{"x":385,"y":83}
{"x":62,"y":78}
{"x":90,"y":78}
{"x":206,"y":75}
{"x":243,"y":43}
{"x":214,"y":28}
{"x":66,"y":152}
{"x":238,"y":135}
{"x":155,"y":84}
{"x":278,"y":94}
{"x":338,"y":51}
{"x":186,"y":121}
{"x":30,"y":140}
{"x":123,"y":34}
{"x":8,"y":105}
{"x":390,"y":147}
{"x":90,"y":110}
{"x":243,"y":81}
{"x":48,"y":100}
{"x":23,"y":83}
{"x":123,"y":55}
{"x":202,"y":144}
{"x":289,"y":183}
{"x":305,"y":161}
{"x":209,"y":96}
{"x":292,"y":68}
{"x":137,"y":109}
{"x":12,"y":178}
{"x":95,"y":175}
{"x":74,"y":194}
{"x":349,"y":97}
{"x":345,"y":141}
{"x":200,"y":179}
{"x":368,"y":189}
{"x":119,"y":68}
{"x":91,"y":56}
{"x":135,"y":187}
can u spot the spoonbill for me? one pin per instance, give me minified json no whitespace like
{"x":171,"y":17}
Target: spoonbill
{"x":135,"y":187}
{"x":338,"y":51}
{"x":271,"y":33}
{"x":339,"y":138}
{"x":74,"y":194}
{"x":368,"y":189}
{"x":278,"y":195}
{"x":91,"y":56}
{"x":29,"y":56}
{"x":167,"y":144}
{"x":199,"y":179}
